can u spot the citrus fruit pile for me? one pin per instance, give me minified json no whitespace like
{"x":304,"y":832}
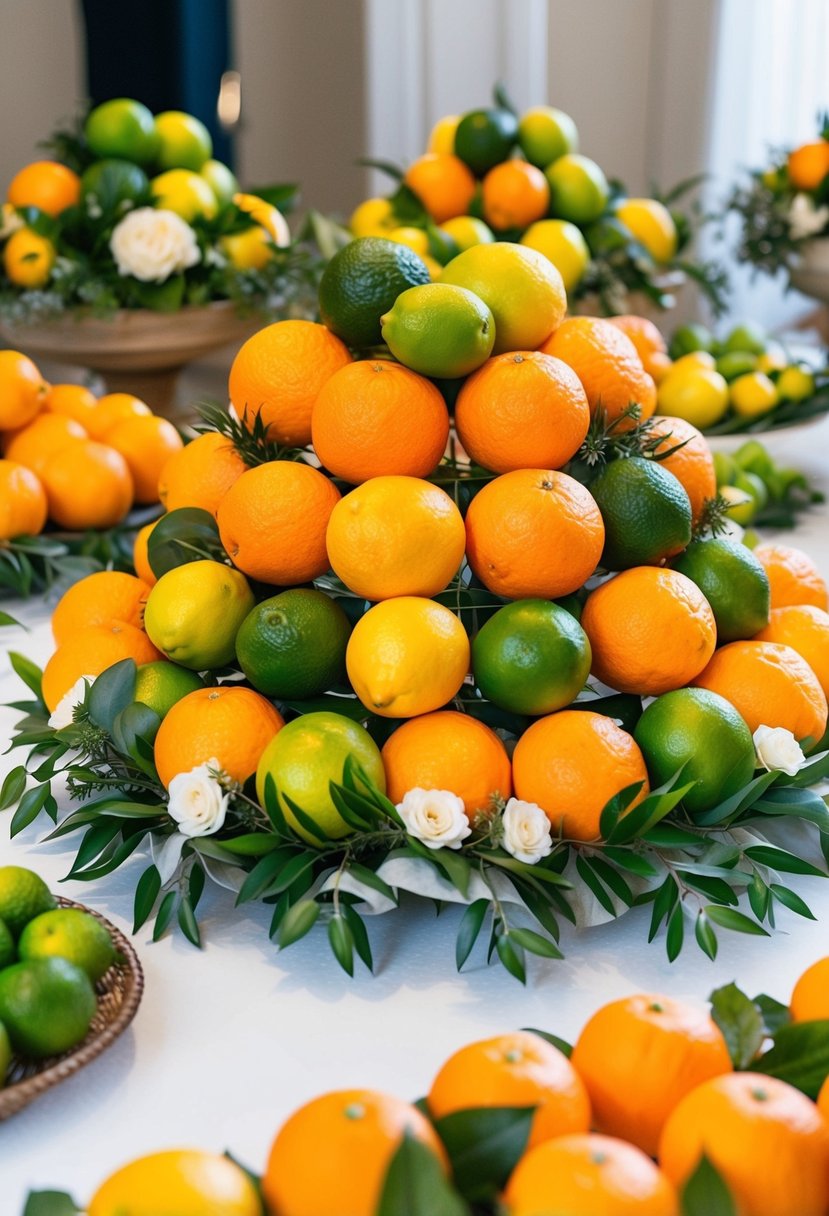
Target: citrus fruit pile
{"x":661,"y":1107}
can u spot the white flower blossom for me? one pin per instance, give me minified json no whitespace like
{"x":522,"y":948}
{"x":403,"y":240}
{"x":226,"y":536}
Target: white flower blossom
{"x":10,"y":222}
{"x":805,"y":219}
{"x":197,"y":801}
{"x":437,"y":817}
{"x":62,"y":713}
{"x":778,"y":750}
{"x":527,"y":834}
{"x":152,"y":244}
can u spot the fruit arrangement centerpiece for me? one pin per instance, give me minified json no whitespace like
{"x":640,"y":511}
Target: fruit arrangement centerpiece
{"x":493,"y":174}
{"x":661,"y":1108}
{"x":519,"y":666}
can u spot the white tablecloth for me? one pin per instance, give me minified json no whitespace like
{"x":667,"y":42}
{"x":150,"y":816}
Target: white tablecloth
{"x":228,"y":1040}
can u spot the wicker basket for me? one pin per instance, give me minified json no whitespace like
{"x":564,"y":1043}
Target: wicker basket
{"x":119,"y":993}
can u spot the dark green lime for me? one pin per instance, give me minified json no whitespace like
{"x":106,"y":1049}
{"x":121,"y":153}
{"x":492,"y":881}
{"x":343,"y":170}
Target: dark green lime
{"x":646,"y":513}
{"x":733,"y":581}
{"x":46,"y":1005}
{"x":484,"y":138}
{"x":361,"y":283}
{"x":112,"y":183}
{"x":293,"y":645}
{"x":688,"y":338}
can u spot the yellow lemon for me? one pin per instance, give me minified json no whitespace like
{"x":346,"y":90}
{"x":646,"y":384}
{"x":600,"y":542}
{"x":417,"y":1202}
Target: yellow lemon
{"x":268,"y":217}
{"x":373,"y":217}
{"x":695,"y":358}
{"x":771,"y":360}
{"x":407,"y":656}
{"x":433,"y":266}
{"x":651,"y":224}
{"x":187,"y":1182}
{"x":563,"y":243}
{"x":753,"y":395}
{"x":697,"y":394}
{"x":466,"y":231}
{"x":186,"y":193}
{"x":795,"y":384}
{"x":28,"y":258}
{"x":442,"y":135}
{"x":194,"y":612}
{"x":248,"y":250}
{"x":741,"y":506}
{"x":414,"y":238}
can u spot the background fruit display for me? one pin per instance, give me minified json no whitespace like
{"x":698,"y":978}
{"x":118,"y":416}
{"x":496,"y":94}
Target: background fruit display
{"x":661,"y":1108}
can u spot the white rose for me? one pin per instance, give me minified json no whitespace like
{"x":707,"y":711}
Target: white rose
{"x":437,"y":817}
{"x":63,"y":711}
{"x":778,"y":750}
{"x":151,"y":245}
{"x":805,"y":219}
{"x":197,"y":801}
{"x":527,"y":834}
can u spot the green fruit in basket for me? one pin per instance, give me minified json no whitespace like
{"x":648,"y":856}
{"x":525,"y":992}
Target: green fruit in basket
{"x":725,"y":468}
{"x":221,"y":181}
{"x":578,"y":188}
{"x":702,"y":731}
{"x":184,"y":141}
{"x":688,"y":338}
{"x":293,"y":645}
{"x":752,"y":457}
{"x":5,"y":1054}
{"x":733,"y":581}
{"x":736,"y":363}
{"x":531,"y":657}
{"x":439,"y":330}
{"x":122,"y":128}
{"x":795,"y":384}
{"x":361,"y":283}
{"x":110,"y":183}
{"x":545,"y":134}
{"x":483,"y":138}
{"x":746,"y":337}
{"x":47,"y":1006}
{"x":23,"y":896}
{"x":72,"y":934}
{"x":161,"y":683}
{"x":8,"y":953}
{"x":646,"y":513}
{"x":753,"y":395}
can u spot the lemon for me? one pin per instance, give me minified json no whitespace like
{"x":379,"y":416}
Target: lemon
{"x":159,"y":685}
{"x":434,"y":267}
{"x":248,"y":250}
{"x":72,"y":934}
{"x":122,"y":128}
{"x":563,"y":243}
{"x":439,"y":330}
{"x":545,"y":134}
{"x":47,"y":1006}
{"x":23,"y":896}
{"x":466,"y":231}
{"x":183,"y":141}
{"x":221,"y":180}
{"x":695,"y":358}
{"x":407,"y":656}
{"x":306,"y":756}
{"x":578,"y":188}
{"x":742,"y":508}
{"x":773,"y":359}
{"x":266,"y":216}
{"x":28,"y":258}
{"x":186,"y":1182}
{"x":753,"y":395}
{"x":442,"y":135}
{"x":184,"y":192}
{"x":697,"y":394}
{"x":795,"y":384}
{"x":373,"y":217}
{"x":651,"y":224}
{"x":414,"y":238}
{"x":194,"y":612}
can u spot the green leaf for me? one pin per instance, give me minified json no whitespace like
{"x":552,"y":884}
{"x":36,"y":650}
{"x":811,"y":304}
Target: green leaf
{"x":187,"y":921}
{"x":615,"y":808}
{"x":626,"y":859}
{"x":112,"y":691}
{"x":800,"y":1055}
{"x":195,"y":884}
{"x":789,"y":899}
{"x":146,"y":893}
{"x":794,"y":803}
{"x":187,"y":534}
{"x":164,"y":915}
{"x":415,"y":1184}
{"x":50,"y":1203}
{"x":297,"y":921}
{"x":528,"y":939}
{"x":730,"y":918}
{"x":705,"y":935}
{"x":251,"y":844}
{"x":741,"y":1023}
{"x":484,"y":1146}
{"x":676,"y":934}
{"x":133,"y":730}
{"x":29,"y":807}
{"x":781,"y":859}
{"x":29,"y":673}
{"x":469,"y":929}
{"x":706,"y":1194}
{"x":263,"y":874}
{"x":737,"y":803}
{"x":274,"y":811}
{"x":456,"y":868}
{"x":650,"y":811}
{"x":562,"y":1045}
{"x":13,"y":787}
{"x":5,"y":619}
{"x":775,"y":1013}
{"x":358,"y":931}
{"x":341,"y":940}
{"x":352,"y":808}
{"x":592,"y":881}
{"x":663,"y":905}
{"x":511,"y":955}
{"x":369,"y":879}
{"x":306,"y":822}
{"x":292,"y":870}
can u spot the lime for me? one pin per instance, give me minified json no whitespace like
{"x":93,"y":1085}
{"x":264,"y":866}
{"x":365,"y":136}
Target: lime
{"x":754,"y":486}
{"x":186,"y":193}
{"x":413,"y":238}
{"x":373,"y":217}
{"x":194,"y":612}
{"x":183,"y":141}
{"x":578,"y":188}
{"x":545,"y":134}
{"x":72,"y":934}
{"x":742,"y":508}
{"x":725,"y":468}
{"x":23,"y":896}
{"x":736,"y":363}
{"x":47,"y":1006}
{"x":361,"y":283}
{"x":8,"y":954}
{"x":111,"y":183}
{"x":122,"y":128}
{"x":697,"y":394}
{"x":746,"y":337}
{"x":293,"y":645}
{"x":306,"y":756}
{"x":467,"y":231}
{"x":733,"y":581}
{"x":439,"y":330}
{"x":795,"y":384}
{"x":5,"y":1054}
{"x":753,"y":457}
{"x":688,"y":338}
{"x":483,"y":138}
{"x":563,"y":243}
{"x":531,"y":657}
{"x":646,"y":513}
{"x":221,"y":181}
{"x":160,"y":684}
{"x":651,"y":224}
{"x":753,"y":395}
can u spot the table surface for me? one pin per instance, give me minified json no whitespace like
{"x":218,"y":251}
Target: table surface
{"x":228,"y":1040}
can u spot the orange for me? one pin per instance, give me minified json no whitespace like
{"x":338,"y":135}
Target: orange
{"x":692,"y":464}
{"x":767,"y":1140}
{"x":200,"y":473}
{"x":810,"y":997}
{"x":808,"y":165}
{"x":639,"y":1057}
{"x":448,"y":751}
{"x":649,"y":342}
{"x":272,"y":522}
{"x":278,"y":374}
{"x":443,"y":183}
{"x":571,"y":764}
{"x":91,"y":650}
{"x":33,"y":445}
{"x":186,"y":1182}
{"x":103,"y":598}
{"x":823,"y":1100}
{"x":140,"y":556}
{"x":22,"y":501}
{"x":608,"y":365}
{"x":515,"y":194}
{"x":112,"y":409}
{"x":72,"y":401}
{"x":522,"y":410}
{"x":147,"y":444}
{"x":533,"y":532}
{"x":518,"y":1069}
{"x":22,"y":390}
{"x":650,"y":630}
{"x":793,"y":576}
{"x":806,"y":629}
{"x":45,"y":184}
{"x":230,"y":724}
{"x":28,"y":259}
{"x":395,"y":536}
{"x":376,"y":417}
{"x":769,"y":685}
{"x":88,"y":485}
{"x":332,"y":1155}
{"x":588,"y":1176}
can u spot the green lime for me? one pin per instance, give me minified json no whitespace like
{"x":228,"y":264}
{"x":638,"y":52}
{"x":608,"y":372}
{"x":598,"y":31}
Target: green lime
{"x":8,"y":954}
{"x":440,"y":330}
{"x":112,"y":183}
{"x":160,"y":684}
{"x":545,"y":134}
{"x":735,"y":363}
{"x":753,"y":457}
{"x":741,"y":506}
{"x":194,"y":612}
{"x":646,"y":513}
{"x":688,"y":338}
{"x":293,"y":645}
{"x":483,"y":138}
{"x":754,"y":486}
{"x":122,"y":128}
{"x":361,"y":283}
{"x":306,"y":756}
{"x":47,"y":1006}
{"x":746,"y":337}
{"x":72,"y":934}
{"x":725,"y":468}
{"x":578,"y":188}
{"x":221,"y":181}
{"x":531,"y":657}
{"x":184,"y":141}
{"x":733,"y":581}
{"x":702,"y":731}
{"x":23,"y":896}
{"x":5,"y":1054}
